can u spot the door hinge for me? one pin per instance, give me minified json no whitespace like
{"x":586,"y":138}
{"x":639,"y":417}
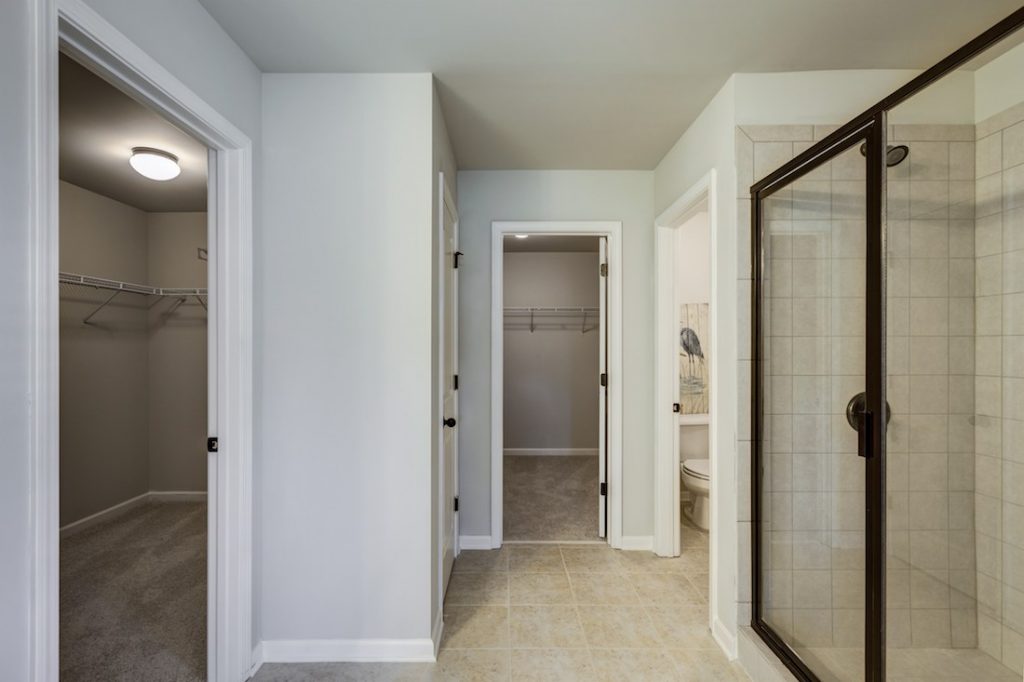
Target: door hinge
{"x":604,"y":488}
{"x":604,"y":269}
{"x":455,"y":382}
{"x":676,"y":407}
{"x":455,"y":259}
{"x":456,"y":503}
{"x":212,"y":444}
{"x":604,"y":379}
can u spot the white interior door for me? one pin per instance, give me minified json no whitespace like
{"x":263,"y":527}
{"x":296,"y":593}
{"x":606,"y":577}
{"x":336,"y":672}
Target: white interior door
{"x":602,"y":447}
{"x":450,"y":402}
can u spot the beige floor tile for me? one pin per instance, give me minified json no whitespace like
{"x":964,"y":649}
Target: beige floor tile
{"x":682,"y":626}
{"x":664,"y":588}
{"x":545,"y":626}
{"x":602,"y":588}
{"x":535,"y":558}
{"x":478,"y":588}
{"x":705,"y":666}
{"x":551,"y":665}
{"x":481,"y":560}
{"x":475,"y":627}
{"x":618,"y":627}
{"x":540,"y":588}
{"x":696,"y":560}
{"x":470,"y":665}
{"x":635,"y":665}
{"x":590,"y":559}
{"x":701,"y":583}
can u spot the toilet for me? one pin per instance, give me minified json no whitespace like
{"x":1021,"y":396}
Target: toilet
{"x":697,"y":479}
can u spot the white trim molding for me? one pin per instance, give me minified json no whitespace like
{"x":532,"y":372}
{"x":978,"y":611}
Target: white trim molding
{"x":437,"y":632}
{"x":551,"y":452}
{"x":612,"y":231}
{"x":637,"y":543}
{"x":76,"y":29}
{"x":476,"y":542}
{"x":347,"y":650}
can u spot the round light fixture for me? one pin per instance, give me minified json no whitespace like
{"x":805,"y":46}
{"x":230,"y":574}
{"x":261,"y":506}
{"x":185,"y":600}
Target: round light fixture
{"x":154,"y":164}
{"x":522,"y":236}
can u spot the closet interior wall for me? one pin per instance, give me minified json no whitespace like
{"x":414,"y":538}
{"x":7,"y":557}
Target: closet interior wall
{"x":133,"y":383}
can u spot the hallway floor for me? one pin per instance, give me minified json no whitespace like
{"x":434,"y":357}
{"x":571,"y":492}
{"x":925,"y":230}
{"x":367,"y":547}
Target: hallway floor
{"x":550,"y":498}
{"x":562,"y":613}
{"x":133,"y":597}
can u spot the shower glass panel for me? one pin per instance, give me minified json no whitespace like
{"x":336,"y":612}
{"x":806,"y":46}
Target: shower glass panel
{"x":812,"y":493}
{"x":955,"y":375}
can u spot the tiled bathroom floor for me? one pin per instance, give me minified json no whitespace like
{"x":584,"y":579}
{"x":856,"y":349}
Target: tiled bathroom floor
{"x":918,"y":665}
{"x":563,"y":612}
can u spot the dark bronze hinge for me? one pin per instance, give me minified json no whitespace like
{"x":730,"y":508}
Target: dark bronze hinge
{"x":456,"y":259}
{"x":604,"y":488}
{"x":604,"y":269}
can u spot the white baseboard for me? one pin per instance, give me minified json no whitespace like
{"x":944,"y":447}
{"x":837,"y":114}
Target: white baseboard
{"x":552,"y":452}
{"x":475,"y":542}
{"x":637,"y":542}
{"x":347,"y":650}
{"x":725,"y":639}
{"x":438,"y":631}
{"x":126,"y":506}
{"x":177,"y":495}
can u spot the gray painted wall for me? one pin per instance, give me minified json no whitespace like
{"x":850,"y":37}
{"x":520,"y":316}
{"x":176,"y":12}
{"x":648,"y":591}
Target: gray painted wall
{"x":485,"y":196}
{"x":551,"y":375}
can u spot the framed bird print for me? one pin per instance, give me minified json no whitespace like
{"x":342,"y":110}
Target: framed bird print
{"x":694,"y":396}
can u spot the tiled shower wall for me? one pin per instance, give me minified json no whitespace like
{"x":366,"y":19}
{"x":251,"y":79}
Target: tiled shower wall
{"x":930,"y":351}
{"x":815,"y":359}
{"x":999,"y":433}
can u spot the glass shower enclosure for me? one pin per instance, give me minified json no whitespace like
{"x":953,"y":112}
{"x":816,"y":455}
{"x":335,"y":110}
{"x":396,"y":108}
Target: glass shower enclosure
{"x":888,"y":383}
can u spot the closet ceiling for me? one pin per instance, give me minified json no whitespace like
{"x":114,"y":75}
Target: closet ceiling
{"x":99,"y":125}
{"x":537,"y":243}
{"x":598,"y":83}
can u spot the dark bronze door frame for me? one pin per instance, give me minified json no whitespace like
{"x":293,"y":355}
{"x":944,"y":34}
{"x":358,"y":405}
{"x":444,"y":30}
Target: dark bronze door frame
{"x":868,"y":128}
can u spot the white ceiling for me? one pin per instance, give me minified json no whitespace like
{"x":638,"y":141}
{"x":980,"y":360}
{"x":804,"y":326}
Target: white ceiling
{"x":99,"y":125}
{"x":591,"y":84}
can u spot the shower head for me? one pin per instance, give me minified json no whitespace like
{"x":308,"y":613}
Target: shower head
{"x":894,"y":154}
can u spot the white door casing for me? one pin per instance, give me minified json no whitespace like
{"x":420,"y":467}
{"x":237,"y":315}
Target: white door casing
{"x":602,"y":389}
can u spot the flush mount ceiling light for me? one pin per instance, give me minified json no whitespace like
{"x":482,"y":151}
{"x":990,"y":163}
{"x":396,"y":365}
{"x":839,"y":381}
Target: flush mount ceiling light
{"x":154,"y":164}
{"x":522,"y":236}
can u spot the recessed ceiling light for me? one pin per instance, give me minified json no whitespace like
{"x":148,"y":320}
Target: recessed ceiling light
{"x":154,"y":164}
{"x":522,"y":236}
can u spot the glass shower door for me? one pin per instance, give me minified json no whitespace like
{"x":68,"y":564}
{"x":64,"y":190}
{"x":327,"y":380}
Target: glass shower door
{"x":811,"y":440}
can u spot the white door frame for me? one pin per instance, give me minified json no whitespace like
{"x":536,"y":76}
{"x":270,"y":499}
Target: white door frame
{"x":73,"y":27}
{"x":444,"y":497}
{"x":612,"y":230}
{"x":667,"y":482}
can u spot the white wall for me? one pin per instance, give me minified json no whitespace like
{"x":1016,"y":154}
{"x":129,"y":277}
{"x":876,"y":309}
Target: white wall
{"x":551,"y":375}
{"x":346,"y":411}
{"x":485,"y":196}
{"x":998,"y":85}
{"x":710,"y":144}
{"x":214,"y":67}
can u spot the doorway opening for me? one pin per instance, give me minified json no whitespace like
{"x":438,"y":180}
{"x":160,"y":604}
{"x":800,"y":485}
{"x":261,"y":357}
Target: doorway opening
{"x":556,"y":398}
{"x":134,"y":384}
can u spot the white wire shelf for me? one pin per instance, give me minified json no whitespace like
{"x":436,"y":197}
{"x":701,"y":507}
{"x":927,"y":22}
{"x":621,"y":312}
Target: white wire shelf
{"x":119,"y":287}
{"x":578,"y":318}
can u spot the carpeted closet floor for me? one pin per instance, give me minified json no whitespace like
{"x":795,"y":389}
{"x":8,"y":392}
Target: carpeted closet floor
{"x":550,"y":498}
{"x":133,"y":597}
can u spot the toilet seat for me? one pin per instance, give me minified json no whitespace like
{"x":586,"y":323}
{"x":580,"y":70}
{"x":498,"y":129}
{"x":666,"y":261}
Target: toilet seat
{"x":698,"y":468}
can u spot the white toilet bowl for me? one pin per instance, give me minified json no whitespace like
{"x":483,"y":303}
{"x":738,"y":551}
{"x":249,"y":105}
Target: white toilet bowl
{"x":697,"y":479}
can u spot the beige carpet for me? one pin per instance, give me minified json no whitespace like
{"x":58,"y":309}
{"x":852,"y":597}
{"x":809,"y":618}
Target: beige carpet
{"x":550,"y":498}
{"x":133,"y":597}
